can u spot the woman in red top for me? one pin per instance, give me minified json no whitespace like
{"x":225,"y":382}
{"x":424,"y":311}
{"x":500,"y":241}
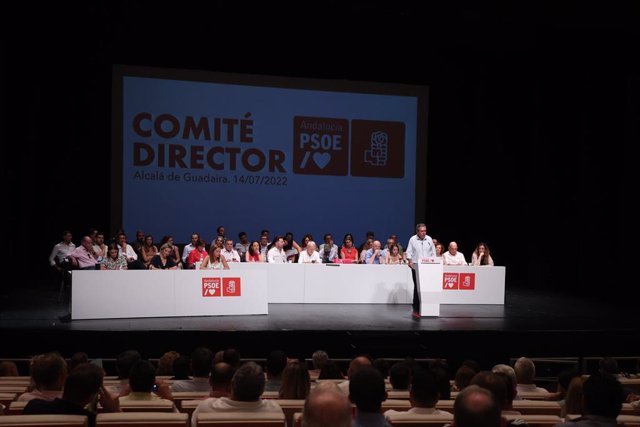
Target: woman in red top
{"x":348,"y":251}
{"x":253,"y":254}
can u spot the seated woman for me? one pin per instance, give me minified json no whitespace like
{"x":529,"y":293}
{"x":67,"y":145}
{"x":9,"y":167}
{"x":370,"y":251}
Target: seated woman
{"x":393,"y":255}
{"x":482,"y":255}
{"x":253,"y":254}
{"x":175,"y":253}
{"x":196,"y":255}
{"x":215,"y":260}
{"x":164,"y":260}
{"x":439,"y":249}
{"x":148,"y":250}
{"x":114,"y":260}
{"x":367,"y":245}
{"x":348,"y":252}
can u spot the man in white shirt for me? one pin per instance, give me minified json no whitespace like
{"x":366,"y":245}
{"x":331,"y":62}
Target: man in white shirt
{"x":247,"y":386}
{"x":61,"y":250}
{"x":276,"y":254}
{"x":452,"y":256}
{"x":420,"y":246}
{"x":310,"y":255}
{"x":190,"y":247}
{"x":230,"y":254}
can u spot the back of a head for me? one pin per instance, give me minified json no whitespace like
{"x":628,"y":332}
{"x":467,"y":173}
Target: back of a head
{"x":232,"y":357}
{"x":565,"y":377}
{"x":471,"y":364}
{"x":330,"y":371}
{"x":367,"y":389}
{"x":8,"y":369}
{"x":296,"y":382}
{"x":442,"y":381}
{"x":506,"y":370}
{"x":83,"y":383}
{"x":49,"y":371}
{"x":78,"y":359}
{"x":603,"y":395}
{"x":165,"y":363}
{"x":276,"y":362}
{"x":181,"y":368}
{"x":357,"y":363}
{"x":247,"y":384}
{"x":525,"y":370}
{"x":222,"y":374}
{"x":125,"y":361}
{"x":476,"y":407}
{"x":463,"y":377}
{"x":495,"y":383}
{"x":319,"y":359}
{"x":326,"y":406}
{"x":400,"y":376}
{"x":201,"y":362}
{"x":142,"y":376}
{"x":424,"y":390}
{"x":608,"y":365}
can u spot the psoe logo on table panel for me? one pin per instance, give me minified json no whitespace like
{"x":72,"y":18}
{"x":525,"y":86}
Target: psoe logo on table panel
{"x":231,"y":287}
{"x":467,"y":281}
{"x":211,"y":287}
{"x":450,"y":281}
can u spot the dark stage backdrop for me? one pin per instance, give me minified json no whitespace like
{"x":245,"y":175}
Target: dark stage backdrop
{"x":532,"y":110}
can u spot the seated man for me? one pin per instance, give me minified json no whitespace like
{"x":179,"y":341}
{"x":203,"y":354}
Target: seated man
{"x":326,"y":405}
{"x":452,"y":256}
{"x":367,"y":392}
{"x":141,"y":381}
{"x":48,"y":374}
{"x":309,"y":254}
{"x":476,"y":407}
{"x":247,"y":386}
{"x":84,"y":257}
{"x":423,"y":397}
{"x":83,"y":387}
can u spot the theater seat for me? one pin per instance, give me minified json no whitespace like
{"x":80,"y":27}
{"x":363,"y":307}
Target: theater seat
{"x":537,"y":420}
{"x":142,"y":419}
{"x":147,"y":406}
{"x":230,"y":419}
{"x":407,"y":419}
{"x":43,"y":421}
{"x":16,"y":408}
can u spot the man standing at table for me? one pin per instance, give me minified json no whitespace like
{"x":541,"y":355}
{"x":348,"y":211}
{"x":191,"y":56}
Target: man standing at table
{"x":419,"y":247}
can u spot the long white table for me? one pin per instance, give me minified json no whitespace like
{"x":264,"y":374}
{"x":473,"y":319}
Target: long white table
{"x":140,"y":293}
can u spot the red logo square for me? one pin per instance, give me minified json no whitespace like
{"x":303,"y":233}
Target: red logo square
{"x":211,"y":287}
{"x":377,"y":148}
{"x":450,"y":281}
{"x":467,"y":281}
{"x":231,"y":287}
{"x":320,"y":146}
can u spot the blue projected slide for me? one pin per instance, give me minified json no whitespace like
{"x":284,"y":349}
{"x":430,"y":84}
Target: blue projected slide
{"x":196,"y":154}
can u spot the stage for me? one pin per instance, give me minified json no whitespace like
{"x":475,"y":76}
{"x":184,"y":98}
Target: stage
{"x":532,"y":323}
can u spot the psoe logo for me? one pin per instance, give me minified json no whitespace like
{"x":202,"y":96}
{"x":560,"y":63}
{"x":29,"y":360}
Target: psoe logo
{"x":450,"y":281}
{"x":377,"y":148}
{"x":467,"y":281}
{"x":320,"y":146}
{"x":211,"y":287}
{"x":231,"y":287}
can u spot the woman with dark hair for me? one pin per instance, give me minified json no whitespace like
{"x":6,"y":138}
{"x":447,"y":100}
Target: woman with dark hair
{"x":253,"y":254}
{"x":295,"y":381}
{"x":482,"y":255}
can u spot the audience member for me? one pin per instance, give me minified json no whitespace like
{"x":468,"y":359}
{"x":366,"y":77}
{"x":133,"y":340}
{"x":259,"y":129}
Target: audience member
{"x":277,"y":255}
{"x":400,"y":376}
{"x":382,"y":366}
{"x":476,"y":407}
{"x":348,"y":251}
{"x":83,"y":387}
{"x":319,"y":358}
{"x":78,"y":358}
{"x":83,"y":257}
{"x":114,"y":260}
{"x":463,"y":377}
{"x":229,"y":253}
{"x":215,"y":260}
{"x":296,"y":382}
{"x":142,"y":378}
{"x":164,"y":260}
{"x":48,"y":374}
{"x":573,"y":403}
{"x":201,"y":361}
{"x":525,"y":374}
{"x":243,"y":245}
{"x":328,"y":250}
{"x":196,"y":256}
{"x":220,"y":379}
{"x":276,"y":362}
{"x":367,"y":392}
{"x":423,"y":397}
{"x":374,"y":255}
{"x":147,"y":251}
{"x":253,"y":253}
{"x":8,"y":369}
{"x":247,"y":386}
{"x":603,"y":397}
{"x":356,"y":364}
{"x":330,"y":371}
{"x":182,"y":368}
{"x":165,"y":363}
{"x":326,"y":406}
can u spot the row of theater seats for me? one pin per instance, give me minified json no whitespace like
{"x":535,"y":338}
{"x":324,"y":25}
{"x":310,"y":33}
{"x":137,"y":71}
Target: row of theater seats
{"x":241,"y":420}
